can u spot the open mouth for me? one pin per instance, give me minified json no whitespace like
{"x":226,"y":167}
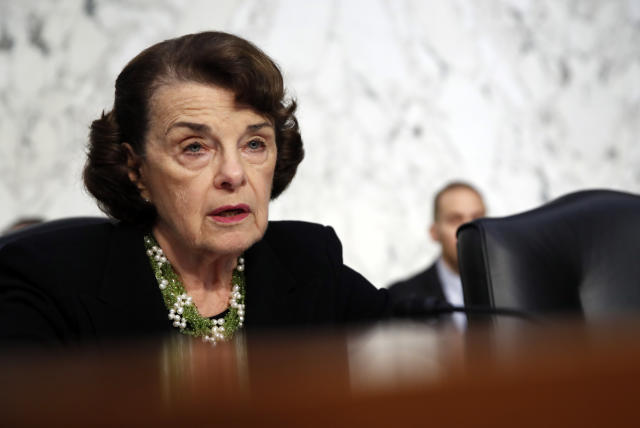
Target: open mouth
{"x":230,"y":213}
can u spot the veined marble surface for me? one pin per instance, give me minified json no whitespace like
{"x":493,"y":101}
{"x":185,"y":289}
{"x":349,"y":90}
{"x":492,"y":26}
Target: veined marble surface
{"x":528,"y":99}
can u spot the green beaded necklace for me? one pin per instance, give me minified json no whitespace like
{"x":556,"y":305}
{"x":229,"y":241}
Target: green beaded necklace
{"x":183,"y":312}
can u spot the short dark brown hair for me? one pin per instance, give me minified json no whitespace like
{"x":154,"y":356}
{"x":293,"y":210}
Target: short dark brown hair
{"x":451,"y":186}
{"x":215,"y":58}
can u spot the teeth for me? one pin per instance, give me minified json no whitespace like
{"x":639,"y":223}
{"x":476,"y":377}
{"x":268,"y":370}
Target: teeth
{"x":230,"y":213}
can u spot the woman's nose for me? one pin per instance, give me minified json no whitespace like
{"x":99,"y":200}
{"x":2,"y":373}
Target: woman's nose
{"x":230,"y":173}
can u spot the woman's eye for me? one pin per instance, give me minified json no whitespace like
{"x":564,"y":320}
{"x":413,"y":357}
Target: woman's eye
{"x":194,"y":148}
{"x":255,"y":144}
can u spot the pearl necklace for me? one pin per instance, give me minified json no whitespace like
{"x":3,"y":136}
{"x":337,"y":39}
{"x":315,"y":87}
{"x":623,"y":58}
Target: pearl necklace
{"x":183,"y":313}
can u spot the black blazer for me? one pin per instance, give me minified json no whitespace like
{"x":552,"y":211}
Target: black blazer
{"x":89,"y":282}
{"x":424,"y":286}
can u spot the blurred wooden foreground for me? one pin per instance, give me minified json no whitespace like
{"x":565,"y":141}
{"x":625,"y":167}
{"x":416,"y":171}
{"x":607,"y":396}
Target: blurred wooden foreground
{"x":396,"y":375}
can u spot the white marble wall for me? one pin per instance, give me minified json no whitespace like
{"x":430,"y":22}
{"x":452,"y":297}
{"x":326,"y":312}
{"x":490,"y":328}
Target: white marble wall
{"x":529,"y":99}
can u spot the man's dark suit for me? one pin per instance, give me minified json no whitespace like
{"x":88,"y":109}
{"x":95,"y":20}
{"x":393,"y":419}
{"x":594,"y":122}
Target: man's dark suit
{"x":424,"y":286}
{"x":91,"y":282}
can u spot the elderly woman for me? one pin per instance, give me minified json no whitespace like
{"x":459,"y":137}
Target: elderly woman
{"x":199,"y":140}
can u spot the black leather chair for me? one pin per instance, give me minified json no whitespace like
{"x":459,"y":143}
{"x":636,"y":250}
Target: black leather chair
{"x":578,"y":254}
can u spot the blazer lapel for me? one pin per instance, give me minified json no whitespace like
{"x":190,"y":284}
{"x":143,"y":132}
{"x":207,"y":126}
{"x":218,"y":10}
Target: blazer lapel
{"x":268,"y":284}
{"x":129,"y":300}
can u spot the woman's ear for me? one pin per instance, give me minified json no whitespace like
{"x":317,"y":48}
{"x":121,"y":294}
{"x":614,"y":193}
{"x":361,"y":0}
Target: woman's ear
{"x":135,"y":171}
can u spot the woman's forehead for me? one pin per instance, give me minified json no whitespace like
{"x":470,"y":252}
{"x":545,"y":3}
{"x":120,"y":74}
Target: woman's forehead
{"x":172,"y":102}
{"x":185,"y":95}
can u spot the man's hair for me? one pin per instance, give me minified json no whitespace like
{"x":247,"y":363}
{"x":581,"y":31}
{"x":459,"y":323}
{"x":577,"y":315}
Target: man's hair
{"x":212,"y":58}
{"x":451,"y":186}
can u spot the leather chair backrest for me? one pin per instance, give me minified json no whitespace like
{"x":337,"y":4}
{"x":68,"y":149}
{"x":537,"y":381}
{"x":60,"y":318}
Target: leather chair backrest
{"x":577,"y":254}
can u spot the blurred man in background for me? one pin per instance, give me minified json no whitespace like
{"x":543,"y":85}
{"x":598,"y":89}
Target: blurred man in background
{"x":455,"y":204}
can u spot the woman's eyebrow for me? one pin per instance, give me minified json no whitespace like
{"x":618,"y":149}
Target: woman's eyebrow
{"x":258,"y":126}
{"x":202,"y":128}
{"x":196,"y":127}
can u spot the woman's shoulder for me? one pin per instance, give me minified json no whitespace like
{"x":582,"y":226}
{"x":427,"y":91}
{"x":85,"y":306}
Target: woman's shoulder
{"x":64,"y":255}
{"x":59,"y":234}
{"x":289,"y":233}
{"x":301,"y":242}
{"x":294,"y":228}
{"x":66,"y":248}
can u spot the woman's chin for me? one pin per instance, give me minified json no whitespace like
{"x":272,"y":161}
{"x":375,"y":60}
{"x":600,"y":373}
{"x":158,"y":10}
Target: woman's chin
{"x":232,"y":243}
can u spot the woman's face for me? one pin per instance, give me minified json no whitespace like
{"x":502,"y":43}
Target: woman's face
{"x":208,"y":168}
